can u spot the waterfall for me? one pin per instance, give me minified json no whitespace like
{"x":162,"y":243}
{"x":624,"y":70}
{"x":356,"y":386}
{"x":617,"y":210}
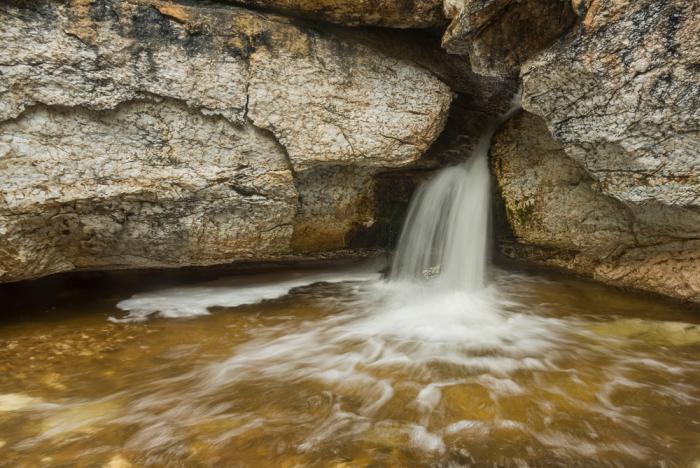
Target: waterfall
{"x":446,"y":232}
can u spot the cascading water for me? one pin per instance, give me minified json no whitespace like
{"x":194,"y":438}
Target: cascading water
{"x":447,"y":228}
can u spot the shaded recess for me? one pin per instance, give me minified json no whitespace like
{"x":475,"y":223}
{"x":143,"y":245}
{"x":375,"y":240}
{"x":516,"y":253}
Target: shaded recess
{"x":383,"y":13}
{"x":500,"y":35}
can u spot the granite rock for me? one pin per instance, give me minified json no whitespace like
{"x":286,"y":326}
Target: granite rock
{"x":385,"y":13}
{"x":500,"y":35}
{"x":622,"y":94}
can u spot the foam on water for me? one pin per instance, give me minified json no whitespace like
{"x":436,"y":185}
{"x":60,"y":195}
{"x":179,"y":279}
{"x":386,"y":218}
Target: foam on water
{"x":386,"y":364}
{"x":190,"y":301}
{"x":384,"y":338}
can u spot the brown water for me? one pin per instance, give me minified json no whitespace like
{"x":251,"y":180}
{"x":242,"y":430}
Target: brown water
{"x":537,"y":370}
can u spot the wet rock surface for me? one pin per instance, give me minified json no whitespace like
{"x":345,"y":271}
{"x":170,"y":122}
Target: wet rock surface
{"x":141,"y":133}
{"x":551,"y":211}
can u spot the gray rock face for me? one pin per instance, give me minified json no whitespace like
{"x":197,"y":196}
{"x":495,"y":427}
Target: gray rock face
{"x":500,"y":35}
{"x":622,"y":94}
{"x":326,"y":101}
{"x":147,"y":184}
{"x":348,"y":190}
{"x":477,"y":92}
{"x":611,"y":189}
{"x":552,"y":212}
{"x":142,"y":134}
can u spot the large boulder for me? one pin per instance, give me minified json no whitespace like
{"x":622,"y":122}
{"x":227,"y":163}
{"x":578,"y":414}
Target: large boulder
{"x":610,"y":188}
{"x":492,"y":95}
{"x":622,"y":95}
{"x":150,"y":183}
{"x":326,"y":100}
{"x":551,"y":211}
{"x":150,"y":134}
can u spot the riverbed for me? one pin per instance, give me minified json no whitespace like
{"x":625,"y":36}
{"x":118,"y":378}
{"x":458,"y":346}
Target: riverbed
{"x":340,"y":367}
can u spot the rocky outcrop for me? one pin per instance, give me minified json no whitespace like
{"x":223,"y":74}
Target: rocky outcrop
{"x":491,"y":95}
{"x":149,"y":134}
{"x":551,"y":211}
{"x":606,"y":183}
{"x":500,"y":35}
{"x":622,"y":94}
{"x":152,"y":182}
{"x":386,"y":13}
{"x":326,"y":100}
{"x":334,"y":203}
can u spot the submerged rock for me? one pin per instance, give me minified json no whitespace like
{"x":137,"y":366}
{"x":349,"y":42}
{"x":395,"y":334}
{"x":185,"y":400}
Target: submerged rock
{"x":15,"y":402}
{"x":118,"y":461}
{"x":77,"y":418}
{"x":650,"y":331}
{"x":431,"y":273}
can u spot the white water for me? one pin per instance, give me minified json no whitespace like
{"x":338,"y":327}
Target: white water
{"x":190,"y":301}
{"x":447,"y":227}
{"x":379,"y":342}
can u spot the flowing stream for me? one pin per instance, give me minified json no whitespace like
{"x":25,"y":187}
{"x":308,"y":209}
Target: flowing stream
{"x":341,"y":368}
{"x":451,"y":363}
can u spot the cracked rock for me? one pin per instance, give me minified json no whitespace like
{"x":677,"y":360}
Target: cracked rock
{"x":385,"y":13}
{"x":551,"y":211}
{"x":622,"y":94}
{"x":152,"y":134}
